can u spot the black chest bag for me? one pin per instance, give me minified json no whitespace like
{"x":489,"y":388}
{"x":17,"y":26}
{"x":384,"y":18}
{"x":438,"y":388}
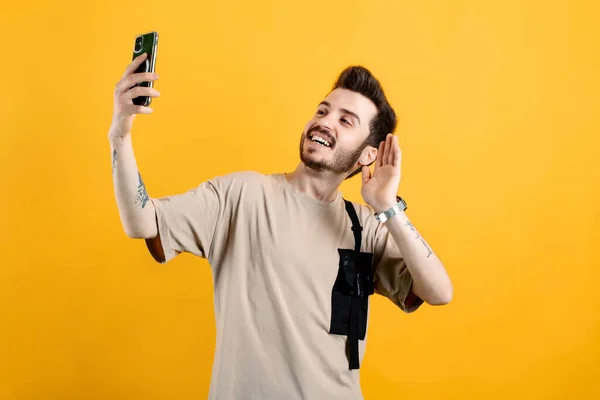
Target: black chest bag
{"x":351,"y":291}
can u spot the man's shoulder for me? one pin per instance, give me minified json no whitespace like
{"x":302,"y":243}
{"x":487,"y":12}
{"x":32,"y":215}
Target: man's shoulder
{"x":242,"y":181}
{"x":366,"y":216}
{"x":363,"y":211}
{"x":242,"y":177}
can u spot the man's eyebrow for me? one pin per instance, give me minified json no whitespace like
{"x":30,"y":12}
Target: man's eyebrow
{"x":351,"y":113}
{"x":345,"y":111}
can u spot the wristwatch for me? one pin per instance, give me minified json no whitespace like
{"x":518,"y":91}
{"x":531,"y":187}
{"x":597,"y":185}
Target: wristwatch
{"x":396,"y":209}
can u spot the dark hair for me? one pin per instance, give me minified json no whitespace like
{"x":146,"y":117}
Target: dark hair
{"x":359,"y":79}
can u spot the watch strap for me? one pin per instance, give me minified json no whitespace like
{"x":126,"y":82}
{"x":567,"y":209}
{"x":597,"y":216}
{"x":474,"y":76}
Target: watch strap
{"x":396,"y":209}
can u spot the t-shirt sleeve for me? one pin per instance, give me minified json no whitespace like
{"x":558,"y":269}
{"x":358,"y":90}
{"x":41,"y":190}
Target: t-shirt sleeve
{"x":187,"y":221}
{"x":391,"y":277}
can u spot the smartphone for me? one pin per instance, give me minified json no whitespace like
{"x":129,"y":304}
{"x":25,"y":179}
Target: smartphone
{"x":145,"y":43}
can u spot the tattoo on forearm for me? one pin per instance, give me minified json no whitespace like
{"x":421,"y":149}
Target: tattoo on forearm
{"x":142,"y":194}
{"x":429,"y":252}
{"x":412,"y":228}
{"x":114,"y":160}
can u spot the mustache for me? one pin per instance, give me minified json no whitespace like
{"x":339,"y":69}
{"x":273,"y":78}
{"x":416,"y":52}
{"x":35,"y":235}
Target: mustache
{"x":324,"y":132}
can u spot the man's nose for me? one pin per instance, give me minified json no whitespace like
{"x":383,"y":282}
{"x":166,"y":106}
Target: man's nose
{"x":326,"y":123}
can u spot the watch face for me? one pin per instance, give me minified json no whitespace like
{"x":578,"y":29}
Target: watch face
{"x":381,"y":217}
{"x":399,"y":207}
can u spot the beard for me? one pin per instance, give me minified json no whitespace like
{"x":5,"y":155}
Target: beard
{"x":343,"y":162}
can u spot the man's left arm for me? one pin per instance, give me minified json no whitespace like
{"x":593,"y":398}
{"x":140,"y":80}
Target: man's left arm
{"x":431,"y":282}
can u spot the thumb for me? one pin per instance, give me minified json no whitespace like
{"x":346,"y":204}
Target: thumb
{"x":366,"y":174}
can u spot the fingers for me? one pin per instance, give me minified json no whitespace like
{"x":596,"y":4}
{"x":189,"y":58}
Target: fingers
{"x":134,"y":64}
{"x":397,"y":156}
{"x":140,"y":91}
{"x":127,"y":89}
{"x":380,"y":151}
{"x":124,"y":102}
{"x":366,"y":174}
{"x":388,"y":152}
{"x":133,"y":109}
{"x":385,"y":149}
{"x":131,"y":80}
{"x":393,"y":143}
{"x":389,"y":139}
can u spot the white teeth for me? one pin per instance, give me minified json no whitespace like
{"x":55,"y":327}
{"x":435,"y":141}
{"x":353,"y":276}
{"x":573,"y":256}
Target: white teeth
{"x":320,"y":140}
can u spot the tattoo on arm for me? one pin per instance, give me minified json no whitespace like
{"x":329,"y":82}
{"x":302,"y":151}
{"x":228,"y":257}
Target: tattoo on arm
{"x":114,"y":160}
{"x":412,"y":228}
{"x":429,"y":252}
{"x":142,"y":194}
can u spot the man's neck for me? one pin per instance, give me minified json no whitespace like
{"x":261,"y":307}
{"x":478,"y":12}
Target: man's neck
{"x":322,"y":185}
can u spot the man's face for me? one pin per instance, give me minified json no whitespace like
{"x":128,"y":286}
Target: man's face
{"x":333,"y":140}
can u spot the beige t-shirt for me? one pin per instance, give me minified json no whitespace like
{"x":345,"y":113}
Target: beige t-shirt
{"x":274,"y":256}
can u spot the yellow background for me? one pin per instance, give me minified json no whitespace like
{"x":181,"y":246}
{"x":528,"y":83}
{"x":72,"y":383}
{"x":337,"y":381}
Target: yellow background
{"x":499,"y":127}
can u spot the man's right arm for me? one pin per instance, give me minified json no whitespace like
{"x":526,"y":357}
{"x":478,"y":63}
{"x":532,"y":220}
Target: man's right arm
{"x":187,"y":221}
{"x":137,"y":212}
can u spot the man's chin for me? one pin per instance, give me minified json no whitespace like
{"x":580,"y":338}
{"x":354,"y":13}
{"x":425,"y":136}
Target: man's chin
{"x":313,"y":163}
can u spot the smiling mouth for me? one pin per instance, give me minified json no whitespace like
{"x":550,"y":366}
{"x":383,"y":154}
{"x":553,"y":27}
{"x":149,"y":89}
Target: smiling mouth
{"x":320,"y":139}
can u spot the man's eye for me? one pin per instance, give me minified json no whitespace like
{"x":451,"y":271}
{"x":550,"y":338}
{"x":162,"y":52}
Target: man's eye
{"x":345,"y":121}
{"x":320,"y":112}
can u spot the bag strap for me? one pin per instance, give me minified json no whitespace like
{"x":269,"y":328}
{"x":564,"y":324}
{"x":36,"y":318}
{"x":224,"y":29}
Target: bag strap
{"x":356,"y":228}
{"x":354,"y":319}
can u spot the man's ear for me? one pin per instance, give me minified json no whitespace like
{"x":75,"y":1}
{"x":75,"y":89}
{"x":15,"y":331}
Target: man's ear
{"x":369,"y":155}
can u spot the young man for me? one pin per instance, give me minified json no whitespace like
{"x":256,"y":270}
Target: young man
{"x":293,"y":262}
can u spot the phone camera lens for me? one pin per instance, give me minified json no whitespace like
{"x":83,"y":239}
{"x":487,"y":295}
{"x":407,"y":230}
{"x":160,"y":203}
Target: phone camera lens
{"x":138,"y":44}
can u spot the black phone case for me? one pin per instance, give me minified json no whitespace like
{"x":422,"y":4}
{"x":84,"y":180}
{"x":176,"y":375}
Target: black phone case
{"x":145,"y":43}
